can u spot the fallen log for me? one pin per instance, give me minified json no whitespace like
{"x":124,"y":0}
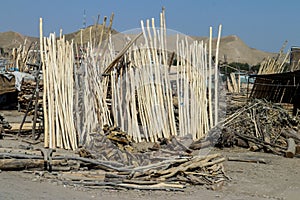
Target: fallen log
{"x":159,"y":186}
{"x":291,"y":133}
{"x":20,"y":156}
{"x":20,"y":151}
{"x":20,"y":164}
{"x":254,"y":147}
{"x":105,"y":165}
{"x":247,"y":159}
{"x":270,"y":146}
{"x":192,"y":164}
{"x":291,"y":151}
{"x":14,"y":164}
{"x":77,"y":176}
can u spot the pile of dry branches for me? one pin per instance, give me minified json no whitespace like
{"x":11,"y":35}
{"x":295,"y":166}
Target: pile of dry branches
{"x":262,"y":125}
{"x":113,"y":161}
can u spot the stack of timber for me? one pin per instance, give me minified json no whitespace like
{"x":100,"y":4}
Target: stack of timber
{"x":261,"y":126}
{"x":74,"y":95}
{"x":112,"y":89}
{"x":58,"y":93}
{"x":145,"y":71}
{"x":26,"y":94}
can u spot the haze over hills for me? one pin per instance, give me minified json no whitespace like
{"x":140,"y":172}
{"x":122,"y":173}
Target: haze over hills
{"x":232,"y":48}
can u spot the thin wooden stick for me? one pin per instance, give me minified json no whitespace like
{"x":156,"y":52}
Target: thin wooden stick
{"x":211,"y":121}
{"x":46,"y":131}
{"x":102,"y":32}
{"x":216,"y":83}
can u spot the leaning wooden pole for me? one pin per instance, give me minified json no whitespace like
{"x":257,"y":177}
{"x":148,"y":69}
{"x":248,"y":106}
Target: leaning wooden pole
{"x":46,"y":133}
{"x":210,"y":79}
{"x":217,"y":76}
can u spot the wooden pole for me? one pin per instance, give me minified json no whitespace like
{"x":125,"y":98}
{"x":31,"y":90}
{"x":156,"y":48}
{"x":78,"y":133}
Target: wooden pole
{"x":102,"y":32}
{"x":211,"y":122}
{"x":46,"y":131}
{"x":217,"y":77}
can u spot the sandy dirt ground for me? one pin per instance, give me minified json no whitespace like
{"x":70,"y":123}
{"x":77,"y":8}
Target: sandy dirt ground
{"x":278,"y":179}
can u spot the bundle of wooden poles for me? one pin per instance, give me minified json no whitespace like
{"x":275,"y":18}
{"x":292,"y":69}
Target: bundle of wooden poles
{"x":133,"y":90}
{"x":276,"y":64}
{"x":58,"y":63}
{"x":147,"y":83}
{"x":234,"y":83}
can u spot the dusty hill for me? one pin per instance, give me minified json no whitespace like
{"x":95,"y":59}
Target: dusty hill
{"x":12,"y":39}
{"x":93,"y":32}
{"x":232,"y":48}
{"x":235,"y":50}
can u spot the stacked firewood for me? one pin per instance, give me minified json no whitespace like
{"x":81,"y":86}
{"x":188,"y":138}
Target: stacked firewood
{"x":262,"y":126}
{"x":25,"y":96}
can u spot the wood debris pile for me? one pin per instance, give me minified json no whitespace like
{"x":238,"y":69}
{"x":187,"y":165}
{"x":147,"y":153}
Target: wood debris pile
{"x":113,"y":161}
{"x":26,"y":94}
{"x":173,"y":173}
{"x":262,"y":126}
{"x":116,"y":146}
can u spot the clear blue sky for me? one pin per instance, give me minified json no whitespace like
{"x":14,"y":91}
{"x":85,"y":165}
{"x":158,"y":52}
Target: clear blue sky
{"x":261,"y":24}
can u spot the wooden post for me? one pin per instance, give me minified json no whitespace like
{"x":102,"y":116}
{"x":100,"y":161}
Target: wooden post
{"x":211,"y":122}
{"x":217,"y":76}
{"x":46,"y":131}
